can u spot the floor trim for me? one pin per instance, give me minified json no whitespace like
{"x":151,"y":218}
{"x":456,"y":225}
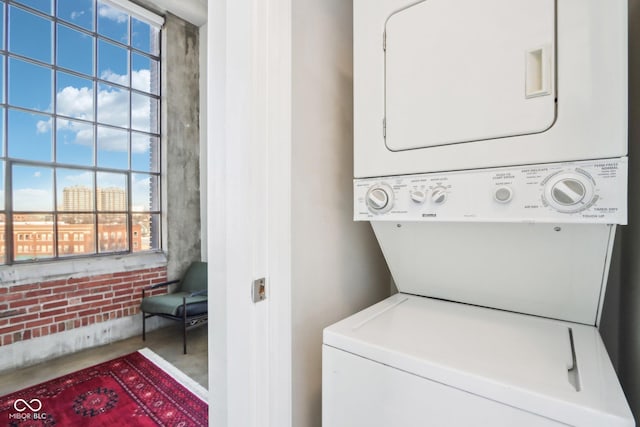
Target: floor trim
{"x":177,"y":374}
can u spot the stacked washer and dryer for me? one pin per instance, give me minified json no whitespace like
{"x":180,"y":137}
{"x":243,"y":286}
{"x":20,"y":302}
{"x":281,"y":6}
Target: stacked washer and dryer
{"x":490,"y":159}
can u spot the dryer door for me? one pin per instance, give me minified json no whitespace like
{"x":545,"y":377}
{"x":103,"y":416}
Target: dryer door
{"x":467,"y":70}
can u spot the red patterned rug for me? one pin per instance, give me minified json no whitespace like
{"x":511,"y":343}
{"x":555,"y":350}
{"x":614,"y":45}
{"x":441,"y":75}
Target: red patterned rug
{"x":128,"y":391}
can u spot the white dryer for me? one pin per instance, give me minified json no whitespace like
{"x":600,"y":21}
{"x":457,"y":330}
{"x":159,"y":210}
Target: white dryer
{"x":490,"y":158}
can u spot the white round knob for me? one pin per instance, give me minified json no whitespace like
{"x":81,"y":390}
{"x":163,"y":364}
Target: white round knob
{"x":503,"y":194}
{"x":439,"y":195}
{"x":379,"y":198}
{"x":418,"y":196}
{"x":568,"y":192}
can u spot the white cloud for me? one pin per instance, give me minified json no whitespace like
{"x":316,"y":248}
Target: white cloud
{"x":113,"y":109}
{"x":112,"y":13}
{"x":83,"y":133}
{"x":37,"y":174}
{"x":81,"y":178}
{"x":75,"y":102}
{"x":32,"y":199}
{"x":141,"y":192}
{"x":106,"y":180}
{"x":43,"y":126}
{"x":112,"y":140}
{"x":115,"y":77}
{"x":113,"y":106}
{"x":141,"y":79}
{"x":76,"y":14}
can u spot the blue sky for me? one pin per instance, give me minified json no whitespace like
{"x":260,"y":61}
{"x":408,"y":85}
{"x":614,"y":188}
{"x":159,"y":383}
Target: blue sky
{"x":30,"y":86}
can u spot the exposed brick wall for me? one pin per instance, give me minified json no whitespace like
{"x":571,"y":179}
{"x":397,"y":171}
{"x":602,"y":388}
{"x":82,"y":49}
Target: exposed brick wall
{"x":36,"y":309}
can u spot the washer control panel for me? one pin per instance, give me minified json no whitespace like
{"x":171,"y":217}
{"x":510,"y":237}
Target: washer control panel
{"x":576,"y":192}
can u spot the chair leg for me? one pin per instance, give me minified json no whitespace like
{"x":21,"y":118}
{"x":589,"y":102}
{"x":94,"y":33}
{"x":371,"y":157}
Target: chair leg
{"x":184,"y":324}
{"x":144,"y":318}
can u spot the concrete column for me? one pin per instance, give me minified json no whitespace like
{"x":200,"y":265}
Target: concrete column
{"x":181,"y":155}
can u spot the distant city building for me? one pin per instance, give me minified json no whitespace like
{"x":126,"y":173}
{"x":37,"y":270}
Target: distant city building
{"x":112,"y":199}
{"x":79,"y":198}
{"x":36,"y":239}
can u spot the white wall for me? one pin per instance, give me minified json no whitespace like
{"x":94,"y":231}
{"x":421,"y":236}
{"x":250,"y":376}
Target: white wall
{"x":337,"y":267}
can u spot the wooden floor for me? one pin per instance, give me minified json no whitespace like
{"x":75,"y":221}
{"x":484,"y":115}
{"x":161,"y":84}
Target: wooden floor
{"x":166,"y":342}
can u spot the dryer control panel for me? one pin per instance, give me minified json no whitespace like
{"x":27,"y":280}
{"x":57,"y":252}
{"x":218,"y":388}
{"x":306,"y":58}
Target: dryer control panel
{"x":574,"y":192}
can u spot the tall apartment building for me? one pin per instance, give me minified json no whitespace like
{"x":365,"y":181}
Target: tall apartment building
{"x":112,"y":199}
{"x":80,"y":198}
{"x":77,"y":198}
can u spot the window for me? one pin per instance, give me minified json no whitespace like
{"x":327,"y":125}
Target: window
{"x":79,"y":128}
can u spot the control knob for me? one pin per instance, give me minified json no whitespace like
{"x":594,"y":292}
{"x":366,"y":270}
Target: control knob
{"x":439,"y":195}
{"x":570,"y":192}
{"x":418,"y":196}
{"x":379,"y":198}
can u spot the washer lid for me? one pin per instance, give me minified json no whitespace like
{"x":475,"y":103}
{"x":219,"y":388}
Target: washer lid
{"x":523,"y":361}
{"x":486,"y":64}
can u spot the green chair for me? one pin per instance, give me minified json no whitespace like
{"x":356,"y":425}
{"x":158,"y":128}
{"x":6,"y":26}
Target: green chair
{"x":188,"y":304}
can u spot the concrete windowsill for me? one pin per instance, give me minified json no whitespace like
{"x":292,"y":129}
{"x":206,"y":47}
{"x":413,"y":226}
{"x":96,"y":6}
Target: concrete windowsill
{"x":45,"y":271}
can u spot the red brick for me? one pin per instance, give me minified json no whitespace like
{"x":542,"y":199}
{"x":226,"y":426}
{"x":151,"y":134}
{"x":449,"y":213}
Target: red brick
{"x":65,"y":317}
{"x":55,"y":305}
{"x":23,"y":302}
{"x":142,"y":283}
{"x":101,"y":290}
{"x":53,"y":283}
{"x":36,"y":333}
{"x":123,"y":292}
{"x":123,"y":274}
{"x":44,"y":330}
{"x":6,"y":340}
{"x":52,"y":313}
{"x":101,"y":303}
{"x":89,"y":312}
{"x":64,"y":289}
{"x":23,"y":288}
{"x":11,"y":328}
{"x":93,"y":284}
{"x":102,"y":276}
{"x":11,"y":297}
{"x":38,"y":323}
{"x":53,"y":329}
{"x":25,"y":318}
{"x":4,"y":322}
{"x":52,"y":298}
{"x":26,"y":334}
{"x":37,"y":293}
{"x":111,"y":307}
{"x":78,"y":293}
{"x":121,"y":299}
{"x":122,"y":286}
{"x":92,"y":298}
{"x":4,"y":290}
